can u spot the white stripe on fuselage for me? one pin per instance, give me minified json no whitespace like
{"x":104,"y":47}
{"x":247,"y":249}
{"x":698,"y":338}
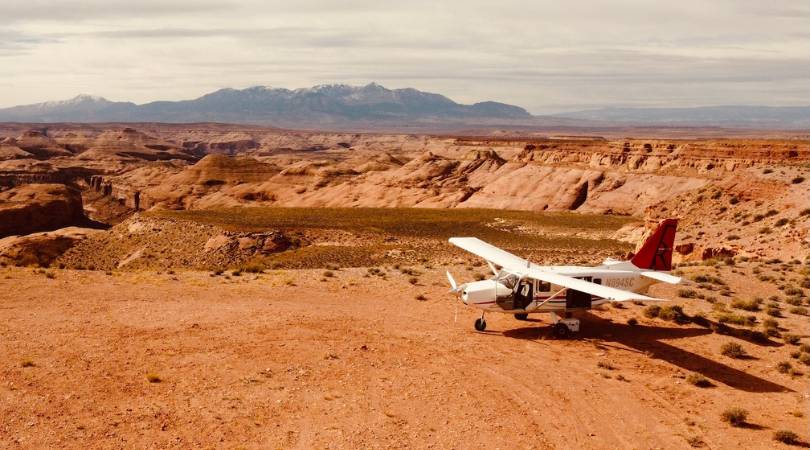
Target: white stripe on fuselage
{"x":620,"y":275}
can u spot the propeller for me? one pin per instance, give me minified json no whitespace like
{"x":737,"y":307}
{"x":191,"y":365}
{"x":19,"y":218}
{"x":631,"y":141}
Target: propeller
{"x":453,"y":285}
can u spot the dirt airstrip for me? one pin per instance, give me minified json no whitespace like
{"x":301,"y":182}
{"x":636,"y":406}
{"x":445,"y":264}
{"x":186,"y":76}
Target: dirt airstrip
{"x":350,"y":358}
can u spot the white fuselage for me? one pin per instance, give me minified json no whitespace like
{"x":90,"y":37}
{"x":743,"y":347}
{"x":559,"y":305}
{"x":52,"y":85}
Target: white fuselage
{"x":508,"y":293}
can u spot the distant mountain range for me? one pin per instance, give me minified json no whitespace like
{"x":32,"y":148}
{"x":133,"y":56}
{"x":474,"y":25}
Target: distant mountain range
{"x":317,"y":106}
{"x":374,"y":106}
{"x":785,"y":117}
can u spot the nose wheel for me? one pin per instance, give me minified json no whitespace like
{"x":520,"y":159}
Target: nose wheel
{"x":480,"y":323}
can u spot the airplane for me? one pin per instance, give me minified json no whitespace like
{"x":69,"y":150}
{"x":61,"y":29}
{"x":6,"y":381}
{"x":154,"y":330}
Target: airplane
{"x":521,"y":288}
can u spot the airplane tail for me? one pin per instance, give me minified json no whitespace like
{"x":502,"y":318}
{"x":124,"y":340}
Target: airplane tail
{"x":656,"y":252}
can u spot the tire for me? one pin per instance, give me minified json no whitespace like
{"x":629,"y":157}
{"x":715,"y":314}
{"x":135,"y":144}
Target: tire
{"x":521,"y":316}
{"x":561,"y":330}
{"x":480,"y":324}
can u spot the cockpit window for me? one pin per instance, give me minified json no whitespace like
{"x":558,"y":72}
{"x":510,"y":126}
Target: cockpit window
{"x":508,"y":279}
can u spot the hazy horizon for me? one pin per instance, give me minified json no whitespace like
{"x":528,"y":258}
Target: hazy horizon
{"x":544,"y":56}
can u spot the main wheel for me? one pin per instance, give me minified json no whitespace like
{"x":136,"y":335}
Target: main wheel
{"x":561,"y":330}
{"x":521,"y":316}
{"x":480,"y":324}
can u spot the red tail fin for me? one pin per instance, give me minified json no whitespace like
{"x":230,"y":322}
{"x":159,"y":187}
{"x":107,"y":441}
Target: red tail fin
{"x":656,"y":252}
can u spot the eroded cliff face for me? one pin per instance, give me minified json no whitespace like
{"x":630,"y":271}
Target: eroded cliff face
{"x":39,"y":207}
{"x":190,"y":167}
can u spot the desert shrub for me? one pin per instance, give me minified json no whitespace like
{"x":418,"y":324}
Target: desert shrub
{"x":804,"y":348}
{"x":786,"y":437}
{"x":604,"y":365}
{"x":799,"y":310}
{"x":687,"y":293}
{"x":797,"y":180}
{"x":696,"y":379}
{"x":695,"y":441}
{"x":652,"y":311}
{"x":734,"y":200}
{"x":421,"y":297}
{"x":413,"y":280}
{"x":153,"y":378}
{"x":237,"y":273}
{"x":773,"y":311}
{"x":732,"y":350}
{"x":673,"y":313}
{"x":764,"y":230}
{"x":737,"y":319}
{"x":632,"y":321}
{"x":791,"y":339}
{"x":735,"y":416}
{"x":747,"y":305}
{"x":805,"y":212}
{"x":781,"y":222}
{"x":770,"y":323}
{"x":253,"y":268}
{"x":329,"y":274}
{"x":804,"y":358}
{"x":793,"y":290}
{"x":784,"y":367}
{"x":795,"y":301}
{"x":795,"y":354}
{"x":27,"y":363}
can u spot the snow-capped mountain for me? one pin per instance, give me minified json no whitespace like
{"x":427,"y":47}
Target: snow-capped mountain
{"x":333,"y":104}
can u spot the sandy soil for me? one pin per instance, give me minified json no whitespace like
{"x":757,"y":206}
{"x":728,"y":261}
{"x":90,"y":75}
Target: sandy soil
{"x":353,"y":361}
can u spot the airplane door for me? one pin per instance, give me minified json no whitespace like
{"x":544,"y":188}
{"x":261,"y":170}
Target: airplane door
{"x":524,"y":294}
{"x":577,"y":299}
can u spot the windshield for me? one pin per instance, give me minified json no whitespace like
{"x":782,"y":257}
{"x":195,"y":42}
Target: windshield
{"x":508,"y":279}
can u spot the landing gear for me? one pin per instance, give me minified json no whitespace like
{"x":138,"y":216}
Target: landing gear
{"x":561,"y":330}
{"x":521,"y":316}
{"x":480,"y":324}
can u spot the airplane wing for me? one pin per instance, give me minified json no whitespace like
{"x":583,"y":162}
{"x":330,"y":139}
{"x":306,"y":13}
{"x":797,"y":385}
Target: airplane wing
{"x":660,"y":276}
{"x":490,"y":252}
{"x":606,"y":292}
{"x":521,"y":266}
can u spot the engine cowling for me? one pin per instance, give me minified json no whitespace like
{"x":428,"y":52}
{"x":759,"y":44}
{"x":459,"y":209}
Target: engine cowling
{"x":487,"y":291}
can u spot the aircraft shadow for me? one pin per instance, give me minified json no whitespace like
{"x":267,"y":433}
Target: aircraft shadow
{"x":648,"y":340}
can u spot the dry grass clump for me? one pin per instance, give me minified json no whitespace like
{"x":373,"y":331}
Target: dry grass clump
{"x":153,"y":378}
{"x":27,"y":363}
{"x":737,"y":319}
{"x":604,"y":365}
{"x":791,"y":339}
{"x":696,"y":379}
{"x":786,"y":437}
{"x":747,"y":305}
{"x":733,"y":350}
{"x":736,"y":417}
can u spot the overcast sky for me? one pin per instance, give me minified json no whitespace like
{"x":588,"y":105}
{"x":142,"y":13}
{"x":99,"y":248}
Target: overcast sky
{"x":544,"y":55}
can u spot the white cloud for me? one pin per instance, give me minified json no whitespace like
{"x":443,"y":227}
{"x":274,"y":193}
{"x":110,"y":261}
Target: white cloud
{"x":544,"y":55}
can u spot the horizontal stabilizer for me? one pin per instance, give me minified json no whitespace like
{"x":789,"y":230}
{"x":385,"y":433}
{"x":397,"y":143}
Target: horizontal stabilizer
{"x":663,"y":277}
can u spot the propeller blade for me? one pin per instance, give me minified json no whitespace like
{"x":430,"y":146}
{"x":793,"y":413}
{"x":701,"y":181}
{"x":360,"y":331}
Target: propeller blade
{"x":452,"y":282}
{"x":492,"y":268}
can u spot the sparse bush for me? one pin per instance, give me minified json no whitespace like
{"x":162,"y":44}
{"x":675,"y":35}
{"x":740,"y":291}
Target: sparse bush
{"x":695,"y":441}
{"x":673,"y":313}
{"x":413,"y":280}
{"x":733,"y":350}
{"x":747,"y":305}
{"x":153,"y":378}
{"x":735,"y":416}
{"x":687,"y":293}
{"x":421,"y":297}
{"x":797,"y":180}
{"x":237,"y":273}
{"x":791,"y":339}
{"x":632,"y":321}
{"x":329,"y":274}
{"x":698,"y":380}
{"x":786,"y":437}
{"x":253,"y":268}
{"x":784,"y":367}
{"x":781,"y":222}
{"x":804,"y":358}
{"x":652,"y":311}
{"x":799,"y":310}
{"x":773,"y":311}
{"x":805,"y":348}
{"x":27,"y":363}
{"x":604,"y":365}
{"x":737,"y":319}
